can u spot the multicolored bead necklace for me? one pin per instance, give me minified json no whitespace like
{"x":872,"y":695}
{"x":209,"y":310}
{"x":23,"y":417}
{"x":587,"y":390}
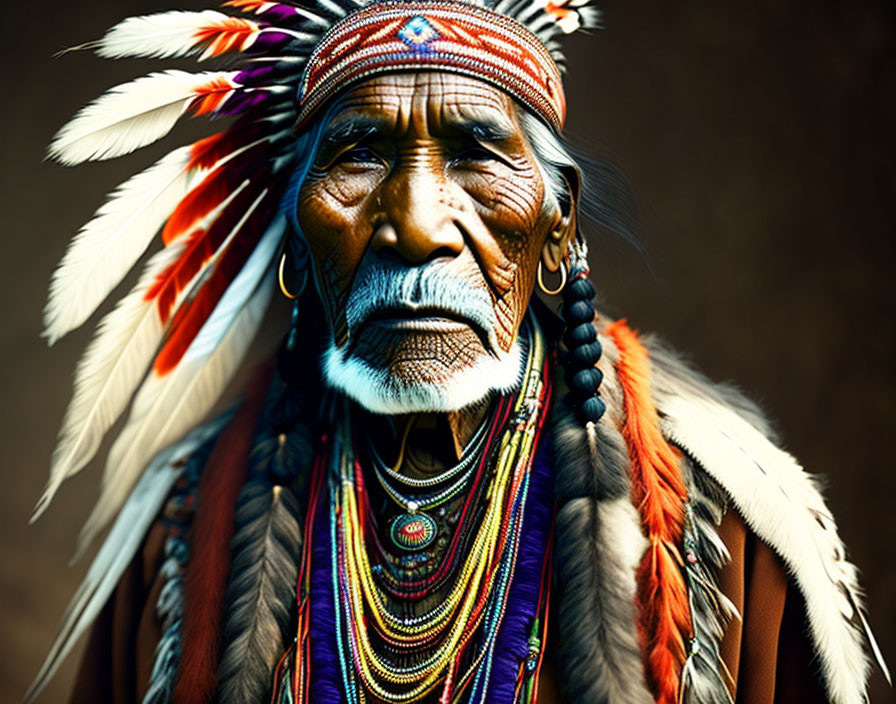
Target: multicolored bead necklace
{"x":481,"y":641}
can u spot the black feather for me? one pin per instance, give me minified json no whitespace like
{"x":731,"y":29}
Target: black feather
{"x":261,"y":590}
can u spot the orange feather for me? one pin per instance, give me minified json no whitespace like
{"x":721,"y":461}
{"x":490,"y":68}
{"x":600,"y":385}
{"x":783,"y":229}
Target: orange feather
{"x":200,"y":248}
{"x":658,"y":491}
{"x":211,"y":96}
{"x":192,"y":314}
{"x":211,"y":191}
{"x":230,"y":34}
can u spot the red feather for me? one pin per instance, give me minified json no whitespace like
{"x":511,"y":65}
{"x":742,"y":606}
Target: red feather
{"x":212,"y":191}
{"x":192,"y":315}
{"x":207,"y":152}
{"x":209,"y":565}
{"x":658,"y":491}
{"x":201,"y":247}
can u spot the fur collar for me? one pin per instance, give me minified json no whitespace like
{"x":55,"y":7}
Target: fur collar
{"x":730,"y":458}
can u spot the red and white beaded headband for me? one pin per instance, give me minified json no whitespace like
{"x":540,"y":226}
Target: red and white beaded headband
{"x":440,"y":35}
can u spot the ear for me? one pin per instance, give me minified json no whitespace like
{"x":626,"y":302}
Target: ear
{"x":564,"y":224}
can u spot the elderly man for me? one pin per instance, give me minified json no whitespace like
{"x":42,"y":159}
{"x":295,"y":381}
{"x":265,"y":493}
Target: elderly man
{"x":438,"y":491}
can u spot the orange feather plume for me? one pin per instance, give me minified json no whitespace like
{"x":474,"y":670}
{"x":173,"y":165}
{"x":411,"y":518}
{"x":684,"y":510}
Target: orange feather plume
{"x":230,"y":34}
{"x":658,"y":491}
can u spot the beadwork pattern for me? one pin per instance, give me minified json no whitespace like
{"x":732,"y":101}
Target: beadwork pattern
{"x":392,"y":654}
{"x":447,"y":36}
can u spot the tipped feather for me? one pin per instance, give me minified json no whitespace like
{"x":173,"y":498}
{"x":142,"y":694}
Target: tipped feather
{"x":107,"y":247}
{"x":132,"y":115}
{"x":117,"y":359}
{"x":166,"y":406}
{"x":261,"y":590}
{"x":176,"y":34}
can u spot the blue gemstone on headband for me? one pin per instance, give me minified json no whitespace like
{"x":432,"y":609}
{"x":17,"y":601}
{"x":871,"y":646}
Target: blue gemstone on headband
{"x":417,"y":33}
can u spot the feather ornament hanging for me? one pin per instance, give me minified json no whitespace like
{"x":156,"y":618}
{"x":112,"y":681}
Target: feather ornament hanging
{"x":261,"y":590}
{"x":121,"y":545}
{"x":659,"y":493}
{"x":167,"y":406}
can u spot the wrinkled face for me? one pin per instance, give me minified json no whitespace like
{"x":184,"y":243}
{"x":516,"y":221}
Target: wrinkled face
{"x":424,"y":215}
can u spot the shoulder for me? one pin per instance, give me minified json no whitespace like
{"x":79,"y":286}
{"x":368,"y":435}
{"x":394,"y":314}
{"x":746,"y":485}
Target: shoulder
{"x":727,"y":443}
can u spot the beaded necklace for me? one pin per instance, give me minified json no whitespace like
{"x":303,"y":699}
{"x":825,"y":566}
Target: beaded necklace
{"x":481,"y":643}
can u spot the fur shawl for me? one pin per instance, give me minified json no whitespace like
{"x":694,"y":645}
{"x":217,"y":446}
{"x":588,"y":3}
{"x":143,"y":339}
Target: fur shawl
{"x":729,"y":459}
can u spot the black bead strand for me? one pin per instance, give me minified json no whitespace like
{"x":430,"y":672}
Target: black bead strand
{"x":583,"y":349}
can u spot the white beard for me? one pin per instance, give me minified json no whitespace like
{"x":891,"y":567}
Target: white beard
{"x":379,"y":391}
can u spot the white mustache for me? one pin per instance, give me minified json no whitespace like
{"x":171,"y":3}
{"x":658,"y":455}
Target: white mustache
{"x":383,"y":286}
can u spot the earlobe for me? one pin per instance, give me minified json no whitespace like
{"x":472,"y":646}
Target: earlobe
{"x":557,"y":242}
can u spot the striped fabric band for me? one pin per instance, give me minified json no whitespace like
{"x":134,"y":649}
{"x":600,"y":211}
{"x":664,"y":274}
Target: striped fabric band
{"x":434,"y":35}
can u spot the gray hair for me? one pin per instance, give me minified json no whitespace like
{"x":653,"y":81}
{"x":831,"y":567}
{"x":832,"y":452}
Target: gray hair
{"x":602,"y":192}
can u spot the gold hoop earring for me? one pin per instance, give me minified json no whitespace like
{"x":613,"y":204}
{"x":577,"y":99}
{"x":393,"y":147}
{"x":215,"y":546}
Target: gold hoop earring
{"x":283,"y":288}
{"x":539,"y":275}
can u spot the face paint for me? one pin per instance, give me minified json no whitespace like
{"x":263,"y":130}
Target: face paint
{"x":423,"y":213}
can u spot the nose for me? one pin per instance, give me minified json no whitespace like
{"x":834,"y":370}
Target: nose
{"x":416,"y":223}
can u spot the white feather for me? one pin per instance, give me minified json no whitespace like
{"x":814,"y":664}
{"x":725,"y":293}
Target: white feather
{"x":107,"y":247}
{"x":160,"y":35}
{"x":130,"y":116}
{"x":109,"y":371}
{"x":165,"y":407}
{"x":779,"y":502}
{"x":116,"y":361}
{"x":119,"y":549}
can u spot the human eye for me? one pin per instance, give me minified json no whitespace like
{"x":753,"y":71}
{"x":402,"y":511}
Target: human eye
{"x":360,"y":155}
{"x":473,"y":153}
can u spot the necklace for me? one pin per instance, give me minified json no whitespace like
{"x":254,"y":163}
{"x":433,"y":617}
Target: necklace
{"x":471,"y":452}
{"x":413,"y":530}
{"x":354,"y":643}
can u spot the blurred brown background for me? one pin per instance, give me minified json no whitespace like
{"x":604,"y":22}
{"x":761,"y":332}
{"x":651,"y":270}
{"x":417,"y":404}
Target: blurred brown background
{"x":759,"y":138}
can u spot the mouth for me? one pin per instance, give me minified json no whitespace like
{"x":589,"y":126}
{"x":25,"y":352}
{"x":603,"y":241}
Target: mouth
{"x":422,"y":319}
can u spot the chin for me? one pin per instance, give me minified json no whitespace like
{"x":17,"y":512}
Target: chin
{"x":422,"y":386}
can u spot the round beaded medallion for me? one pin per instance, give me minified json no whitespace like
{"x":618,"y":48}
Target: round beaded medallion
{"x":412,"y":531}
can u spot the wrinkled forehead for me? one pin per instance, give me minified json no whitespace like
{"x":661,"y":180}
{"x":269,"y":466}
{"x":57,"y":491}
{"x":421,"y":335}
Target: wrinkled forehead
{"x":423,"y":104}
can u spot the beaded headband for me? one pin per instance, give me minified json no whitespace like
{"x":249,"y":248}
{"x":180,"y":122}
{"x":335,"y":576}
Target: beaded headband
{"x":442,"y":35}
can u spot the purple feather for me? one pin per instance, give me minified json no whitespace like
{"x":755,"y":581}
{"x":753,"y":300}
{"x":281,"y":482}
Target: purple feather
{"x":326,"y":680}
{"x":512,"y":641}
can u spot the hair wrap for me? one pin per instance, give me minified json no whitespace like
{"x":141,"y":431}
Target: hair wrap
{"x":440,"y":35}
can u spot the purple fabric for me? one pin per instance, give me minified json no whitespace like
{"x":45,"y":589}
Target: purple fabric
{"x":326,"y":679}
{"x":521,"y":609}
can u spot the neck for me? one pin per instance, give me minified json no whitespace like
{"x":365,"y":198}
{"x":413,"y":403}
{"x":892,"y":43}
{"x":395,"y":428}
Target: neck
{"x":425,"y":444}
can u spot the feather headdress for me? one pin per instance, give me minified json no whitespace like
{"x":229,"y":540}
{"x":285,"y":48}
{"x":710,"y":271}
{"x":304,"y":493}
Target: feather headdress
{"x":172,"y":343}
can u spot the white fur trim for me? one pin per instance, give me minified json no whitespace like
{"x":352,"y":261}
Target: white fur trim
{"x":780,"y":503}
